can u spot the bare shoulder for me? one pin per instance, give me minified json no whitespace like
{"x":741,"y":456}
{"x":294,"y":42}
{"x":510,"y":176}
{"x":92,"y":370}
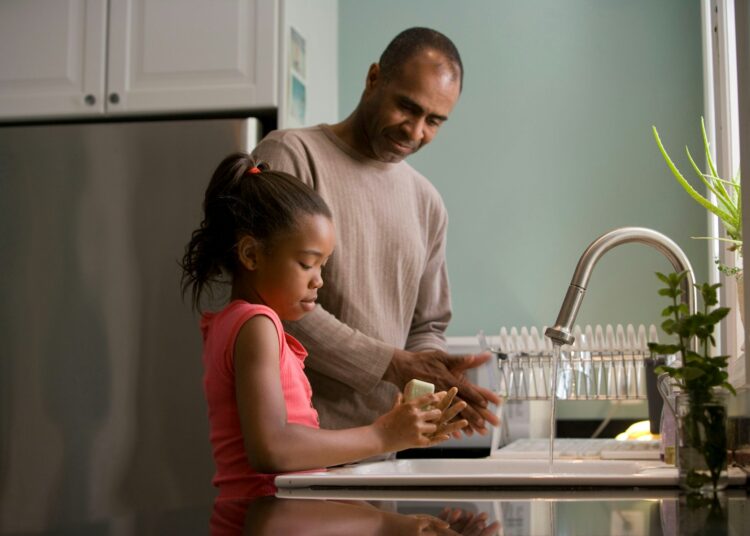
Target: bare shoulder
{"x":257,"y":341}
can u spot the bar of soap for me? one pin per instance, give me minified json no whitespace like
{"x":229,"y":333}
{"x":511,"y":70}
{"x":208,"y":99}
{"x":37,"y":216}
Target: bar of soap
{"x":416,"y":388}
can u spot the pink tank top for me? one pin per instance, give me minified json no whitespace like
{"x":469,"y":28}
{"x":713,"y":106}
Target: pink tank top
{"x":234,"y":477}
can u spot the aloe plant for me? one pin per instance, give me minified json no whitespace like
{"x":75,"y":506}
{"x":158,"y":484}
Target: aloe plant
{"x":728,"y":205}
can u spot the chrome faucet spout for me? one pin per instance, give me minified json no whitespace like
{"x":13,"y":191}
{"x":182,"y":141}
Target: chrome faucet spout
{"x":561,"y":333}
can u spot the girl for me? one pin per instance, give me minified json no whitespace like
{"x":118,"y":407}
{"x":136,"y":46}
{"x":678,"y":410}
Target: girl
{"x":272,"y":235}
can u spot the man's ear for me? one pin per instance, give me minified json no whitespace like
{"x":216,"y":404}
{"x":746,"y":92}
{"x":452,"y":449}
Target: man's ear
{"x":247,"y":252}
{"x":373,"y":76}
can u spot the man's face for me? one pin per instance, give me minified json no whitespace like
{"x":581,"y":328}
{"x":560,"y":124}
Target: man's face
{"x":403,"y":113}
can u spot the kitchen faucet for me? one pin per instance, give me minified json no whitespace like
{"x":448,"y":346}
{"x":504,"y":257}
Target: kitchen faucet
{"x":561,"y":332}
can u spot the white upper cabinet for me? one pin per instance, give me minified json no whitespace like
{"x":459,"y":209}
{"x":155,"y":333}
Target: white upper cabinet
{"x":52,"y":57}
{"x":183,"y":55}
{"x":77,"y":58}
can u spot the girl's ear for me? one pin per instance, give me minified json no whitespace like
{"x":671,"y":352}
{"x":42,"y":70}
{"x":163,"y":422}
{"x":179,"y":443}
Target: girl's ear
{"x":247,"y":252}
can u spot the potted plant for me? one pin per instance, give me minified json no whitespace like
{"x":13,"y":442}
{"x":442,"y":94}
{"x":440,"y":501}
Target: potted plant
{"x":727,"y":208}
{"x":701,"y":381}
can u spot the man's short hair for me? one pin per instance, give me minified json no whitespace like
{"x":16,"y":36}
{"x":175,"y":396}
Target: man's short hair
{"x":413,"y":40}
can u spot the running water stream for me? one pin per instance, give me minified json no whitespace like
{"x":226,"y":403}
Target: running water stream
{"x":553,"y":402}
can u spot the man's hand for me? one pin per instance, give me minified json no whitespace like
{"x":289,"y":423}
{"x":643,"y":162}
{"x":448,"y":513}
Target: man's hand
{"x":469,"y":523}
{"x":446,"y":371}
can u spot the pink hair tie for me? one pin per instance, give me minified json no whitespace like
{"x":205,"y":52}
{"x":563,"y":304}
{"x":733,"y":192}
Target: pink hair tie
{"x":254,"y":170}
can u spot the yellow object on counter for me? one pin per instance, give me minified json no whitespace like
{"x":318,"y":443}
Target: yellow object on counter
{"x":416,"y":388}
{"x":638,"y":431}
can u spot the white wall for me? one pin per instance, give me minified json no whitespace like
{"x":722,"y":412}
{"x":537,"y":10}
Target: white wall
{"x":550,"y":146}
{"x":317,"y":22}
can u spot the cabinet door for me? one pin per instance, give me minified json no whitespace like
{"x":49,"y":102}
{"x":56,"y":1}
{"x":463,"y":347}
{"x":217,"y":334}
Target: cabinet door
{"x":52,"y":55}
{"x":170,"y":56}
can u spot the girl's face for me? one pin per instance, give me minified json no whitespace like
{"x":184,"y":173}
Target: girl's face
{"x":287,"y":276}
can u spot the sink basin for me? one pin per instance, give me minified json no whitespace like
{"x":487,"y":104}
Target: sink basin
{"x":487,"y":472}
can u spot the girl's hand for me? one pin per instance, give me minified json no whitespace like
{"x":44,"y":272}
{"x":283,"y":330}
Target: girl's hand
{"x":446,"y":428}
{"x":444,"y":371}
{"x":408,"y":424}
{"x":422,"y":422}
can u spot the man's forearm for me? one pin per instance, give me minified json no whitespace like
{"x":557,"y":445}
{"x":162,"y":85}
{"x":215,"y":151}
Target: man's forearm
{"x":340,"y":352}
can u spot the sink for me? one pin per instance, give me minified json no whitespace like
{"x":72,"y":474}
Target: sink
{"x":535,"y":468}
{"x":488,"y":472}
{"x":491,"y":472}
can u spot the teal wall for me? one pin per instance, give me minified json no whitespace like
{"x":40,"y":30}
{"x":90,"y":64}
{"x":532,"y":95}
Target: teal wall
{"x":550,"y":146}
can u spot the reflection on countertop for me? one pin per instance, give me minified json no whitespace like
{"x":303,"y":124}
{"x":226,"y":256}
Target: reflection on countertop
{"x":273,"y":516}
{"x":363,"y":512}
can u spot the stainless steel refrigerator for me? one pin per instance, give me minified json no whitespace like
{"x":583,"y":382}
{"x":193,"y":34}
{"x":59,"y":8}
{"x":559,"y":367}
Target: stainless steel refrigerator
{"x":101,"y":403}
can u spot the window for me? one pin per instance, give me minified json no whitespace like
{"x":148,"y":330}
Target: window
{"x":725,"y":48}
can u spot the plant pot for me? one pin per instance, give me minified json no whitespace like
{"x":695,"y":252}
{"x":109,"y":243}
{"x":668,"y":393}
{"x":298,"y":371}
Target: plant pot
{"x":702,"y":442}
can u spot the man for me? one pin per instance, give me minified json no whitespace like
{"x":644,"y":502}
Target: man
{"x":385,"y":304}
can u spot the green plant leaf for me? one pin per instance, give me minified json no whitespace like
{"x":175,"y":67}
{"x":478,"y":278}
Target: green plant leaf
{"x":663,"y":349}
{"x":707,"y":148}
{"x":691,"y":373}
{"x":699,"y":372}
{"x":668,"y":326}
{"x":717,"y":187}
{"x":723,"y":215}
{"x":677,"y":277}
{"x":720,"y":239}
{"x":669,"y":310}
{"x":672,"y":371}
{"x":718,"y":314}
{"x":672,"y":293}
{"x":729,"y":387}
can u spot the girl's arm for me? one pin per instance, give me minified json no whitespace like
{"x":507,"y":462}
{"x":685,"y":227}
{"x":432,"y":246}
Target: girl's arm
{"x":273,"y":445}
{"x":270,"y":516}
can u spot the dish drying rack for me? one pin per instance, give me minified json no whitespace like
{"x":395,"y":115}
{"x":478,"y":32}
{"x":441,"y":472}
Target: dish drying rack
{"x":602,"y":364}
